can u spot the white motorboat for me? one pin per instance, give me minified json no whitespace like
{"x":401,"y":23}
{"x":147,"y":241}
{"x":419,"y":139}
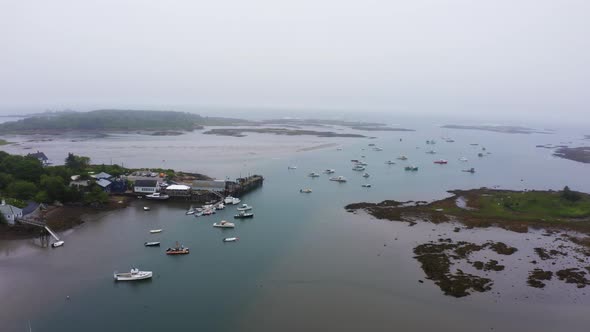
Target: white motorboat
{"x":330,"y":171}
{"x":463,"y":159}
{"x":366,"y":175}
{"x":134,"y":274}
{"x":224,"y":224}
{"x":361,"y":163}
{"x":366,"y":185}
{"x":243,"y":215}
{"x":228,"y":200}
{"x":431,"y":152}
{"x":220,"y":206}
{"x":306,"y":190}
{"x":154,"y":231}
{"x":57,"y":244}
{"x":377,"y":149}
{"x":291,"y":167}
{"x":313,"y":175}
{"x":358,"y":168}
{"x":338,"y":178}
{"x":402,"y":158}
{"x":235,"y":201}
{"x":230,"y":239}
{"x":151,"y":244}
{"x":157,"y":196}
{"x":244,"y":207}
{"x":191,"y":210}
{"x":146,"y":208}
{"x":389,"y":162}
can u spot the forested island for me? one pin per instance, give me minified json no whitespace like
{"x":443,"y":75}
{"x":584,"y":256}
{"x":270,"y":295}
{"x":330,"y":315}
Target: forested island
{"x":239,"y":132}
{"x":113,"y":120}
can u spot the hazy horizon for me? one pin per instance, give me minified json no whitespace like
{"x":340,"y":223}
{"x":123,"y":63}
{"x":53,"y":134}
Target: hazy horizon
{"x":498,"y":61}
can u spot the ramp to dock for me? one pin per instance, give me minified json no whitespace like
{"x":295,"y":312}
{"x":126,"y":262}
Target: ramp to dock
{"x":52,"y":234}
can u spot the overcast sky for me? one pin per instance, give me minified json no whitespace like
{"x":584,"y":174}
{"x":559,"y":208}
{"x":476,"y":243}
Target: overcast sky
{"x":423,"y":56}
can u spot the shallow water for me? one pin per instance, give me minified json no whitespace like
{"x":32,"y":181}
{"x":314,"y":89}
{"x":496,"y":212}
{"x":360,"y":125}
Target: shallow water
{"x":303,"y":262}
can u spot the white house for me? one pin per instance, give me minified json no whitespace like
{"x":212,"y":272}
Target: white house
{"x":11,"y":213}
{"x":145,"y":186}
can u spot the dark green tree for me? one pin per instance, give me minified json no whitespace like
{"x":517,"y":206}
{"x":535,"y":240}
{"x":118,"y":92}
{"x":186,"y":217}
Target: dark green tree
{"x":21,"y":189}
{"x":570,"y":195}
{"x":53,"y":186}
{"x":76,"y":163}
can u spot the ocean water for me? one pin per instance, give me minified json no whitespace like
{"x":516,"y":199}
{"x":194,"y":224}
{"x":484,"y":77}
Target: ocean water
{"x":302,"y":262}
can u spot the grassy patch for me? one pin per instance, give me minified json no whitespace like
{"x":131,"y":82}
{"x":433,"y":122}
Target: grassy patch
{"x":4,"y":142}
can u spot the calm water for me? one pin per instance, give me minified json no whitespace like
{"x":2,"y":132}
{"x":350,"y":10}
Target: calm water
{"x":303,"y":262}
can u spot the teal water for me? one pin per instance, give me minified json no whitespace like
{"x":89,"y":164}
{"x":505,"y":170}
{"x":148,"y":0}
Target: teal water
{"x":303,"y":262}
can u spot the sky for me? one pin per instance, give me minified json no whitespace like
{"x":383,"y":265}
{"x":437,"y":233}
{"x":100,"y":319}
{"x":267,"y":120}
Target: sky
{"x":511,"y":58}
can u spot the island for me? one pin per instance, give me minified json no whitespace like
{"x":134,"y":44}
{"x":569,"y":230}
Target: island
{"x":239,"y":132}
{"x":498,"y":129}
{"x":114,"y":120}
{"x":580,"y":154}
{"x":565,"y":212}
{"x":357,"y":125}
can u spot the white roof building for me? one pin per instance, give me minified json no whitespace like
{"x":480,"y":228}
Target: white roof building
{"x":10,"y":213}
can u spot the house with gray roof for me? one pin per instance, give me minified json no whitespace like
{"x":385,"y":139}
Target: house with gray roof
{"x":10,"y":213}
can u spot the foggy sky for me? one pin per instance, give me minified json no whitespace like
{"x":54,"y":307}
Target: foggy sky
{"x":423,"y":56}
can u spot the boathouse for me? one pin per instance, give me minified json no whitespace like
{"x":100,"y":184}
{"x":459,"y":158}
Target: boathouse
{"x":146,"y":186}
{"x":178,"y":190}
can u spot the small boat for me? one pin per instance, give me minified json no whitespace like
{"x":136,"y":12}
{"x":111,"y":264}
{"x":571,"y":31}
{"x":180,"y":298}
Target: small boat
{"x":244,"y":207}
{"x":220,"y":206}
{"x":208,"y":212}
{"x":471,"y":170}
{"x":474,"y":144}
{"x":366,"y":175}
{"x":313,"y":175}
{"x":389,"y":162}
{"x":338,"y":178}
{"x":224,"y":224}
{"x":228,"y":200}
{"x":146,"y":208}
{"x":366,"y":185}
{"x":151,"y":244}
{"x":354,"y":160}
{"x":411,"y":168}
{"x":361,"y":163}
{"x":198,"y":214}
{"x":358,"y":168}
{"x":177,"y":250}
{"x":134,"y":274}
{"x":57,"y":244}
{"x":191,"y":210}
{"x":377,"y":149}
{"x":371,"y":144}
{"x":291,"y":167}
{"x":154,"y":231}
{"x":230,"y":239}
{"x":431,"y":152}
{"x":463,"y":159}
{"x":450,"y":140}
{"x":480,"y":154}
{"x":235,"y":201}
{"x":306,"y":190}
{"x":157,"y":196}
{"x":440,"y":161}
{"x":339,"y":149}
{"x":330,"y":171}
{"x":402,"y":158}
{"x":243,"y":215}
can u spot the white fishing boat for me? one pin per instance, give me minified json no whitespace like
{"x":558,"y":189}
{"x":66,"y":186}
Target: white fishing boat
{"x":134,"y":274}
{"x":191,"y":210}
{"x":402,"y":158}
{"x":151,"y":244}
{"x":366,"y":185}
{"x":313,"y":175}
{"x":244,"y":207}
{"x":463,"y":159}
{"x":228,"y":200}
{"x":358,"y":168}
{"x":431,"y":152}
{"x":330,"y":171}
{"x":224,"y":224}
{"x":291,"y":167}
{"x":243,"y":215}
{"x":366,"y":175}
{"x":219,"y":206}
{"x":306,"y":190}
{"x":389,"y":162}
{"x":338,"y":178}
{"x":146,"y":208}
{"x":377,"y":149}
{"x":157,"y":196}
{"x":57,"y":244}
{"x":154,"y":231}
{"x":231,"y":239}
